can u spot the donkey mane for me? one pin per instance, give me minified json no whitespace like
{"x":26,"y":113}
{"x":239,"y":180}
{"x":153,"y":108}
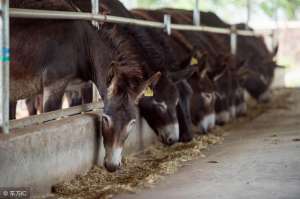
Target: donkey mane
{"x":143,"y":41}
{"x":125,"y":64}
{"x":159,"y":37}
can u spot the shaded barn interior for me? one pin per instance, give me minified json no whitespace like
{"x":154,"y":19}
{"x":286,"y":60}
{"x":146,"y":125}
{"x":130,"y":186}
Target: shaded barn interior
{"x":112,"y":103}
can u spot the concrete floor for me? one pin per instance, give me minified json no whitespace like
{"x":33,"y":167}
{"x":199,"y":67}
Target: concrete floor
{"x":258,"y":160}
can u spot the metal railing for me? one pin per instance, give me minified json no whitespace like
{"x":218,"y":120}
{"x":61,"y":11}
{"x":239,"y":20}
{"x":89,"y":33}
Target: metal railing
{"x":47,"y":14}
{"x":95,"y":17}
{"x":4,"y":66}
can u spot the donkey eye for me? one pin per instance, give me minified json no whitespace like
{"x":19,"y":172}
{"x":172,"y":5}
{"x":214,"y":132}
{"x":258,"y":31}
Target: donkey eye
{"x":162,"y":107}
{"x":177,"y":101}
{"x":131,"y":125}
{"x":207,"y":96}
{"x":106,"y":121}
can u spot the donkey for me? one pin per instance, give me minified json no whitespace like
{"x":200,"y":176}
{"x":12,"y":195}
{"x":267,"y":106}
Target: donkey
{"x":218,"y":64}
{"x":258,"y":60}
{"x":185,"y":53}
{"x":66,"y":50}
{"x":159,"y":109}
{"x":261,"y":65}
{"x":163,"y":41}
{"x":236,"y":105}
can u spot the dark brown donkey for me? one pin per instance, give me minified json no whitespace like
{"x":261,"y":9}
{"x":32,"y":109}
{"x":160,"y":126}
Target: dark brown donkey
{"x":259,"y":62}
{"x":223,"y":67}
{"x":158,"y":107}
{"x":173,"y":63}
{"x":48,"y":54}
{"x":197,"y":104}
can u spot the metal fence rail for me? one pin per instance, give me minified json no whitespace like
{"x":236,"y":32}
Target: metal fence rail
{"x":47,"y":14}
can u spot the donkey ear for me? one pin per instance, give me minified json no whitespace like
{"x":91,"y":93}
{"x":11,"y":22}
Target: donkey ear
{"x":280,"y":66}
{"x":244,"y":72}
{"x":275,"y":50}
{"x":147,"y":86}
{"x":180,"y":75}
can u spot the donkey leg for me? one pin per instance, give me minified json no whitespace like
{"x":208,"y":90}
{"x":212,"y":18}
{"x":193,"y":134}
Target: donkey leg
{"x":12,"y":110}
{"x":30,"y":104}
{"x":52,"y":100}
{"x":76,"y":99}
{"x":183,"y":112}
{"x":185,"y":131}
{"x":87,"y":93}
{"x":53,"y":95}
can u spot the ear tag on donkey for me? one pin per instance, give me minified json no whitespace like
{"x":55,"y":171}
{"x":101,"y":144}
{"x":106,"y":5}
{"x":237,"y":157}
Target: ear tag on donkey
{"x":194,"y":61}
{"x":148,"y":92}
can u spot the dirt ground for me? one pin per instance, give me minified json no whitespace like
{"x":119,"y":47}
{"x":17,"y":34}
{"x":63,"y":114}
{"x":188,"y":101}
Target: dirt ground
{"x":259,"y":158}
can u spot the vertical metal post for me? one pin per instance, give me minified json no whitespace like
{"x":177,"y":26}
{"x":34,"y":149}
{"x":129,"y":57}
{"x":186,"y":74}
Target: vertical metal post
{"x":139,"y":128}
{"x":95,"y":93}
{"x":197,"y":14}
{"x":95,"y":11}
{"x":248,"y":13}
{"x":167,"y":22}
{"x":4,"y":66}
{"x":233,"y":40}
{"x":275,"y":29}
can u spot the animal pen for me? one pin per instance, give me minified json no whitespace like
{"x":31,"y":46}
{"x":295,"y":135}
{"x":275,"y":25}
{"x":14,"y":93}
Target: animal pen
{"x":95,"y":17}
{"x":70,"y":133}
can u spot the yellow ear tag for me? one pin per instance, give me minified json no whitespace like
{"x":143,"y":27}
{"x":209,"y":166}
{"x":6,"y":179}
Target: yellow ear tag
{"x":148,"y":92}
{"x":194,"y":61}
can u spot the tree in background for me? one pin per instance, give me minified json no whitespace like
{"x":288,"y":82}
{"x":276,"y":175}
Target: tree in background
{"x":289,"y":8}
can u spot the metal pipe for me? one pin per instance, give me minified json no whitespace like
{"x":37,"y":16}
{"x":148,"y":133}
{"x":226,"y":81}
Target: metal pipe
{"x":95,"y":11}
{"x":196,"y":14}
{"x":1,"y":70}
{"x":167,"y":24}
{"x":248,"y":13}
{"x":275,"y":29}
{"x":4,"y":47}
{"x":233,"y":40}
{"x":44,"y":14}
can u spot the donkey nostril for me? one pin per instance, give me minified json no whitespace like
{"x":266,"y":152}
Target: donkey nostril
{"x":112,"y":167}
{"x":204,"y":130}
{"x":170,"y":141}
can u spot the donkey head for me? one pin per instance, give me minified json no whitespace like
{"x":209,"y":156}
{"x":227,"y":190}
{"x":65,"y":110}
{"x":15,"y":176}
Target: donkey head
{"x":256,"y":78}
{"x":158,"y":105}
{"x":119,"y":115}
{"x":203,"y":100}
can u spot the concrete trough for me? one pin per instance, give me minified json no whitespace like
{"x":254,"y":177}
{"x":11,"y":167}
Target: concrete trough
{"x":42,"y":155}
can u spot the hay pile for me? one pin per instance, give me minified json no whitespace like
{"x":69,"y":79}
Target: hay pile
{"x":148,"y":167}
{"x":138,"y":171}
